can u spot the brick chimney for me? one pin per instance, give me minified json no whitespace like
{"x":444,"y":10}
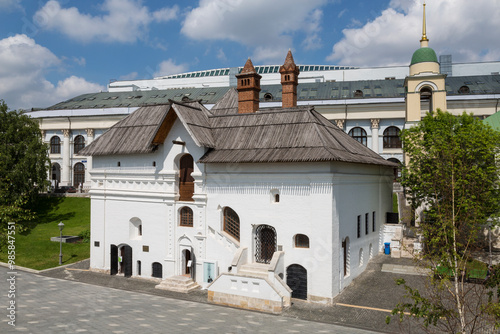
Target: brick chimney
{"x":289,"y":81}
{"x":248,"y":89}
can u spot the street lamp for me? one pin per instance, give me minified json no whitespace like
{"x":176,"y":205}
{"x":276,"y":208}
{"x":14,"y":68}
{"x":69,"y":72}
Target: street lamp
{"x":61,"y":226}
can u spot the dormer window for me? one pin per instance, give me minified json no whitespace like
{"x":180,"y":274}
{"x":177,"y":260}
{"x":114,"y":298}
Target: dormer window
{"x":464,"y":90}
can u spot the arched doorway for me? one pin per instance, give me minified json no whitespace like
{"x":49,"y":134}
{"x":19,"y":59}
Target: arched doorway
{"x":56,"y":174}
{"x":79,"y":174}
{"x":296,"y":279}
{"x":265,"y":243}
{"x":397,"y":170}
{"x":188,"y":263}
{"x":121,"y":260}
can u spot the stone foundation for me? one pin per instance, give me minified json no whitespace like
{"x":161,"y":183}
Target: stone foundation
{"x":319,"y":300}
{"x":248,"y":303}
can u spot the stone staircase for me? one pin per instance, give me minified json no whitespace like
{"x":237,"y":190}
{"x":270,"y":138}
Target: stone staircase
{"x":254,"y":270}
{"x":178,"y":284}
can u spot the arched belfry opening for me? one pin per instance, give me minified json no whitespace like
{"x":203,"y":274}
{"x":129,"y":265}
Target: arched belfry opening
{"x":426,"y":99}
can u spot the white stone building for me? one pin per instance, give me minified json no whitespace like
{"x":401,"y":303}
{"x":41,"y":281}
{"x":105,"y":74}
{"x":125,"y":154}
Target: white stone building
{"x":258,"y":205}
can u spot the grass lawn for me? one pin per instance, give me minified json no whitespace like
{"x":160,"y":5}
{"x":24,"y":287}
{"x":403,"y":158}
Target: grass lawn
{"x":395,"y":203}
{"x":34,"y":248}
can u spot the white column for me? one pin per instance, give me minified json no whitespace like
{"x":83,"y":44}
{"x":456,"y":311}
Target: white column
{"x":375,"y":127}
{"x":66,"y":163}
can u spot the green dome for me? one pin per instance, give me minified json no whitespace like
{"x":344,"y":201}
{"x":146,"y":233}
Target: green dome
{"x":423,"y":55}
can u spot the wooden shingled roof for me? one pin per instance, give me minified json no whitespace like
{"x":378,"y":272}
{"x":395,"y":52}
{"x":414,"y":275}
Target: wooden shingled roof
{"x":134,"y":134}
{"x":298,"y":134}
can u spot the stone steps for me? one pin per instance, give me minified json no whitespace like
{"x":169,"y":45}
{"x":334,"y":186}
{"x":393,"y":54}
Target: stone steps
{"x":178,"y":284}
{"x":254,"y":270}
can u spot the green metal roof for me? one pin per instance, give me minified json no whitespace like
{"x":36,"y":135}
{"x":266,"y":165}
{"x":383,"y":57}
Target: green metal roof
{"x":494,"y":121}
{"x":336,"y":90}
{"x":424,"y":55}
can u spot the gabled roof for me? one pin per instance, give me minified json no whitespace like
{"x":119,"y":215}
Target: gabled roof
{"x":134,"y":134}
{"x":298,"y":134}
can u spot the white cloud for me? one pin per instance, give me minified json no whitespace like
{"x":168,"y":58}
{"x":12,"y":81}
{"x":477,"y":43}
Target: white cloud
{"x":130,"y":76}
{"x":10,"y":4}
{"x":168,"y":67}
{"x":266,"y":26}
{"x":23,"y":66}
{"x":221,"y":55}
{"x":453,"y":26}
{"x":80,"y":61}
{"x":124,"y":21}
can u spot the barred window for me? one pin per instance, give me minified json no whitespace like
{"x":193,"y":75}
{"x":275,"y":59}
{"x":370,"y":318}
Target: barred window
{"x":301,"y":241}
{"x":186,"y":217}
{"x":232,"y":223}
{"x":367,"y":230}
{"x":55,"y":145}
{"x":359,"y":226}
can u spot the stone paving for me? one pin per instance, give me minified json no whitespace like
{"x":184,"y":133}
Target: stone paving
{"x":51,"y":305}
{"x":59,"y":301}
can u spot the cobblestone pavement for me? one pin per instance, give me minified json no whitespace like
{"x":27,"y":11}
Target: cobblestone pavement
{"x":58,"y":301}
{"x":51,"y":305}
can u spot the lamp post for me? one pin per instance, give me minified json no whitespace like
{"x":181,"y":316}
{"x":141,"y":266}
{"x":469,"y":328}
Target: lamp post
{"x":61,"y":226}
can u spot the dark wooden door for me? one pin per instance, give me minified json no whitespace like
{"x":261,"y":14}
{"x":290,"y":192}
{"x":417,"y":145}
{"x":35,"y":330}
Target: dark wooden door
{"x":127,"y":261}
{"x":296,"y":279}
{"x":157,"y":270}
{"x":186,"y":181}
{"x":114,"y":260}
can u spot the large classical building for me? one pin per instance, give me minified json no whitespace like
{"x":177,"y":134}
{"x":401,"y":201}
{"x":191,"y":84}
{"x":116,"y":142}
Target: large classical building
{"x":372,"y":105}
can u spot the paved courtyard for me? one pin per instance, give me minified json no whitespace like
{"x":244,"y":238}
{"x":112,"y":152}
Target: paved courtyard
{"x":52,"y":305}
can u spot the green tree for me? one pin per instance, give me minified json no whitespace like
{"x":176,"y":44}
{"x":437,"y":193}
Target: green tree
{"x":24,"y":165}
{"x":453,"y":177}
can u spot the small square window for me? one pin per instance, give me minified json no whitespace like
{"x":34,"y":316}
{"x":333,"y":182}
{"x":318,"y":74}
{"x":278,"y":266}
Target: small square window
{"x":97,"y":243}
{"x":145,"y":249}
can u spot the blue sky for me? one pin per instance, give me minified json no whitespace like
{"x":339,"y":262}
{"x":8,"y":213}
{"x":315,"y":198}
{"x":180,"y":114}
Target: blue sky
{"x":54,"y":50}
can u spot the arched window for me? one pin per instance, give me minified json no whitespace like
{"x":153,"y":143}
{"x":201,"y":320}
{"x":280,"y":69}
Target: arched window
{"x":55,"y":145}
{"x":301,"y":241}
{"x":391,"y":137}
{"x":79,"y":174}
{"x":186,"y":217}
{"x":186,"y":181}
{"x":79,"y":143}
{"x":359,"y":134}
{"x":358,"y":93}
{"x":231,"y":223}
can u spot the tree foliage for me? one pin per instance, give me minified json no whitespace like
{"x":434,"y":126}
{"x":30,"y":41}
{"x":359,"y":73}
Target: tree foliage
{"x":24,"y":165}
{"x":452,"y":175}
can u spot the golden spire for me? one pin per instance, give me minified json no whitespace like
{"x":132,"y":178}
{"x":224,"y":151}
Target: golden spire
{"x":424,"y":36}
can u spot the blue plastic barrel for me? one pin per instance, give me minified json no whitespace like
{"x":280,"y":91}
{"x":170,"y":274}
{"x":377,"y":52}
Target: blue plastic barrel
{"x":387,"y":249}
